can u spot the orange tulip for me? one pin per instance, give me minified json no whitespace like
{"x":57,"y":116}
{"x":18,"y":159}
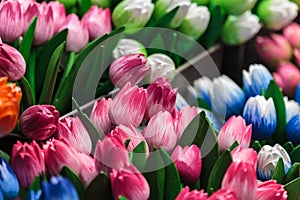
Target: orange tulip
{"x":10,"y":97}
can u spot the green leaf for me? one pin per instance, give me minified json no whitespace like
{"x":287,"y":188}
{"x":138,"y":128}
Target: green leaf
{"x":126,"y":143}
{"x":172,"y":178}
{"x":35,"y":184}
{"x":51,"y":75}
{"x":235,"y":144}
{"x":27,"y":98}
{"x":292,"y":189}
{"x":66,"y":172}
{"x":203,"y":104}
{"x":256,"y":146}
{"x":293,"y":173}
{"x":30,"y":73}
{"x":155,"y":175}
{"x":288,"y":146}
{"x":279,"y":172}
{"x":295,"y":154}
{"x":275,"y":93}
{"x":219,"y":170}
{"x":85,"y":6}
{"x":25,"y":46}
{"x":139,"y":155}
{"x":99,"y":187}
{"x":165,"y":20}
{"x":5,"y":156}
{"x":45,"y":55}
{"x":122,"y":198}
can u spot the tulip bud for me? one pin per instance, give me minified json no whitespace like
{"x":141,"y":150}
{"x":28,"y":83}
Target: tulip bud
{"x":132,"y":14}
{"x":12,"y":18}
{"x":292,"y":108}
{"x":287,"y":76}
{"x":234,"y":129}
{"x":9,"y":186}
{"x":73,"y":132}
{"x":59,"y":154}
{"x":268,"y":158}
{"x":201,"y":89}
{"x":226,"y":97}
{"x":12,"y":63}
{"x":160,"y":97}
{"x":129,"y":183}
{"x":128,"y":46}
{"x":186,"y":194}
{"x":184,"y":118}
{"x":10,"y":97}
{"x":129,"y":100}
{"x":237,"y":7}
{"x":131,"y":68}
{"x":223,"y":194}
{"x":39,"y":122}
{"x":241,"y":178}
{"x":88,"y":172}
{"x":270,"y":190}
{"x":256,"y":80}
{"x":78,"y":34}
{"x":261,"y":114}
{"x":276,"y":14}
{"x":161,"y":66}
{"x":247,"y":155}
{"x":160,"y":132}
{"x":110,"y":154}
{"x":99,"y":115}
{"x":196,"y":21}
{"x":162,"y":7}
{"x":59,"y":188}
{"x":239,"y":29}
{"x":98,"y":21}
{"x":59,"y":14}
{"x":292,"y":129}
{"x":292,"y":34}
{"x":188,"y":162}
{"x":31,"y":158}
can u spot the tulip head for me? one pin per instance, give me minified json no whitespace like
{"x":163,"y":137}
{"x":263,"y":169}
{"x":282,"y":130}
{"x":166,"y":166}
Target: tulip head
{"x":186,"y":194}
{"x":292,"y":34}
{"x":237,"y":7}
{"x":292,"y":108}
{"x":268,"y":158}
{"x":239,"y":29}
{"x":59,"y":14}
{"x":39,"y":122}
{"x":247,"y":155}
{"x":276,"y":14}
{"x":201,"y":89}
{"x":128,"y":46}
{"x":292,"y":129}
{"x":9,"y":185}
{"x":271,"y":190}
{"x":261,"y":114}
{"x":256,"y":80}
{"x":88,"y":171}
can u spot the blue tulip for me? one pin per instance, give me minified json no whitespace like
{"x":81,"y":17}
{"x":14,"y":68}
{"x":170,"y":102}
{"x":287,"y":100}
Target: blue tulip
{"x":201,"y":89}
{"x":261,"y":114}
{"x":9,"y":184}
{"x":34,"y":195}
{"x":292,"y":108}
{"x":227,"y":98}
{"x":292,"y":130}
{"x":297,"y":94}
{"x":58,"y":188}
{"x":256,"y":80}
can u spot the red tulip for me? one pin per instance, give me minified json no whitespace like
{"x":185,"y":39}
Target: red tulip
{"x":128,"y":106}
{"x":292,"y":34}
{"x":73,"y":131}
{"x":186,"y":194}
{"x":188,"y":162}
{"x":247,"y":155}
{"x":27,"y":161}
{"x":88,"y":171}
{"x":39,"y":122}
{"x":271,"y":190}
{"x":129,"y":183}
{"x":59,"y":154}
{"x":99,"y":115}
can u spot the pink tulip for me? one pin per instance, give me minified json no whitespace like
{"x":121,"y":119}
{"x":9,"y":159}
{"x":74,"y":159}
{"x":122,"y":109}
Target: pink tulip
{"x":184,"y":118}
{"x":188,"y":162}
{"x":160,"y":131}
{"x":128,"y":106}
{"x":273,"y":49}
{"x":59,"y":154}
{"x":78,"y":35}
{"x":39,"y":122}
{"x":234,"y":129}
{"x":296,"y":54}
{"x":59,"y":14}
{"x":186,"y":194}
{"x":292,"y":34}
{"x":241,"y":178}
{"x":44,"y":29}
{"x":129,"y":183}
{"x":271,"y":190}
{"x":73,"y":132}
{"x":88,"y":171}
{"x":99,"y":115}
{"x":110,"y":153}
{"x":123,"y":133}
{"x":11,"y":19}
{"x":247,"y":155}
{"x":161,"y":97}
{"x":98,"y":21}
{"x":287,"y":76}
{"x":12,"y":63}
{"x":27,"y":161}
{"x":130,"y":68}
{"x":223,"y":194}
